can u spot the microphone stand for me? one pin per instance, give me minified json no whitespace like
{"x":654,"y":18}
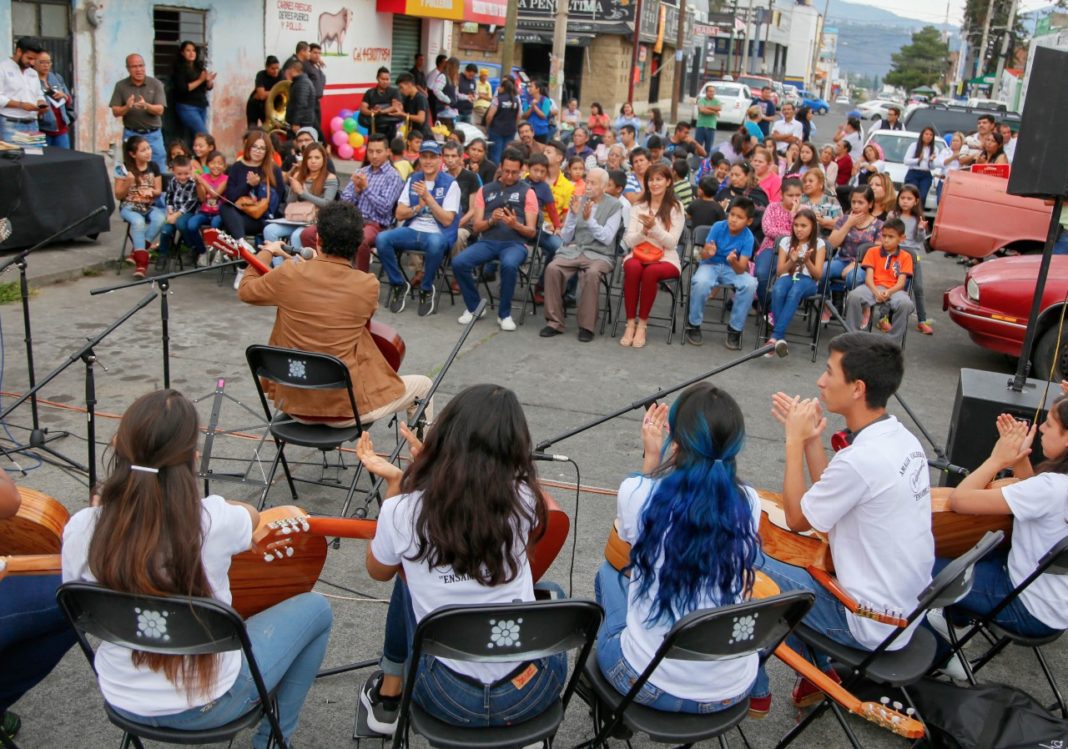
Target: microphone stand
{"x":39,"y":437}
{"x":163,"y":282}
{"x":87,"y":355}
{"x":660,"y":393}
{"x":417,"y":419}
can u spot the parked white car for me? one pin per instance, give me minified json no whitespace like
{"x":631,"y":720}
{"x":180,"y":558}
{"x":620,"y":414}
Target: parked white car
{"x":875,"y":109}
{"x":895,"y":144}
{"x":736,"y":99}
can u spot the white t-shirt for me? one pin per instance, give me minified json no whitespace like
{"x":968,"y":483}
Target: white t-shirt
{"x":396,"y":540}
{"x":227,"y":531}
{"x":19,"y":85}
{"x":1010,"y":149}
{"x":874,"y":501}
{"x":784,"y":246}
{"x":1040,"y":510}
{"x":702,"y":681}
{"x":424,"y":221}
{"x":793,"y":127}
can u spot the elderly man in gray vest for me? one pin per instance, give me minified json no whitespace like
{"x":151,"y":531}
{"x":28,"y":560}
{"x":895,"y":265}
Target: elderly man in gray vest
{"x":589,"y":249}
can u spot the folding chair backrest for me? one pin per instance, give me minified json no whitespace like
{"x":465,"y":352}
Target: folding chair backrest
{"x":956,"y":579}
{"x":298,"y":369}
{"x":1055,"y":561}
{"x":739,"y":629}
{"x":700,"y":235}
{"x":171,"y":625}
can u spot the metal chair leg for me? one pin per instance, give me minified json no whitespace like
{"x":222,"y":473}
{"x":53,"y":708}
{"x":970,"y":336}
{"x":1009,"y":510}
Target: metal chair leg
{"x":270,"y":478}
{"x":1052,"y":682}
{"x":289,"y":476}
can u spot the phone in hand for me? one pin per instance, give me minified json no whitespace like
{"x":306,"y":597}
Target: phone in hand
{"x":121,"y":171}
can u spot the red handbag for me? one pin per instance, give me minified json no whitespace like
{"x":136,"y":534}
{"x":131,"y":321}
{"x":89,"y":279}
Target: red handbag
{"x":647,"y":252}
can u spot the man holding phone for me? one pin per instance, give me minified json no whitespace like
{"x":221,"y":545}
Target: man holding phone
{"x":139,"y":100}
{"x":20,"y":90}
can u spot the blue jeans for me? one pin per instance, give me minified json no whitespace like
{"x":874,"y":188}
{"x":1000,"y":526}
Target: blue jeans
{"x":1060,"y":247}
{"x":510,"y":254}
{"x":922,"y":180}
{"x":498,"y":146}
{"x":155,"y":139}
{"x":403,"y":239}
{"x":461,"y":700}
{"x":288,"y":642}
{"x":196,"y":222}
{"x":706,"y":136}
{"x":832,"y":274}
{"x":275,"y":232}
{"x":786,"y":295}
{"x":34,"y":634}
{"x":58,"y":141}
{"x":193,"y":118}
{"x":764,"y":266}
{"x":710,"y":275}
{"x":143,"y":229}
{"x":610,"y":587}
{"x":166,"y":234}
{"x":9,"y":127}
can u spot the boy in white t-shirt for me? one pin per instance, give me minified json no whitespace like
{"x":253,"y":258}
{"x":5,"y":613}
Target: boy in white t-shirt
{"x":872,"y":499}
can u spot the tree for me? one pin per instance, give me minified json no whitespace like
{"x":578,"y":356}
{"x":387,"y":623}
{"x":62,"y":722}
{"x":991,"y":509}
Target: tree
{"x":920,"y":63}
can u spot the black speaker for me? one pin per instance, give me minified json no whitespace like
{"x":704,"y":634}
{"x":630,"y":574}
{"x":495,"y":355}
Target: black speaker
{"x":1040,"y":163}
{"x":981,"y":397}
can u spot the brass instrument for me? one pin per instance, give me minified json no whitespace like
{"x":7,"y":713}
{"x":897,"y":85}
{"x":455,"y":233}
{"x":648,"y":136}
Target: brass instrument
{"x":275,"y":106}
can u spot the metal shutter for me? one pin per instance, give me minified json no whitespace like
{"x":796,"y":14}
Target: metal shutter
{"x":406,"y":32}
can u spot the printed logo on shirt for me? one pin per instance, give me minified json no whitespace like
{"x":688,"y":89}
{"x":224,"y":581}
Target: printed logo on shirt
{"x":453,"y":578}
{"x":915,"y":466}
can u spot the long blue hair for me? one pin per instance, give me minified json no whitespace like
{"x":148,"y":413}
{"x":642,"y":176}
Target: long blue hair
{"x":699,"y":520}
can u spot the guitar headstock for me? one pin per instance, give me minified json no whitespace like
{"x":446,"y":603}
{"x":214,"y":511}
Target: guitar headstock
{"x":220,"y":240}
{"x":892,"y":719}
{"x":275,"y":538}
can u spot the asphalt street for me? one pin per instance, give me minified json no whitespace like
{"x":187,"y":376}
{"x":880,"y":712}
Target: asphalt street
{"x":561,"y":382}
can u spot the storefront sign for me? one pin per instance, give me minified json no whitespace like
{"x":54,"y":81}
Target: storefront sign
{"x":703,"y":29}
{"x":450,"y":10}
{"x":349,"y":31}
{"x":581,"y":10}
{"x":489,"y":12}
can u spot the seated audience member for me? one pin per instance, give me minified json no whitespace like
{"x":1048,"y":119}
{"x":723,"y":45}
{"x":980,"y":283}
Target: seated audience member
{"x":656,"y":223}
{"x":692,"y":525}
{"x":505,"y":218}
{"x":152,"y":533}
{"x":872,"y":499}
{"x":580,"y":145}
{"x":616,"y":158}
{"x":617,"y":182}
{"x":180,"y":201}
{"x":34,"y":634}
{"x":589,"y":238}
{"x":478,"y":163}
{"x":741,"y":183}
{"x":682,"y":186}
{"x":138,"y":185}
{"x":396,"y":157}
{"x":600,"y":153}
{"x":851,"y":232}
{"x":776,"y":222}
{"x":563,"y":190}
{"x":887,"y":270}
{"x":801,"y":258}
{"x":725,"y":260}
{"x":305,"y":137}
{"x":412,"y":145}
{"x":716,"y":165}
{"x":429,"y":210}
{"x":537,"y":172}
{"x":576,"y":175}
{"x":210,"y":189}
{"x":311,"y":187}
{"x":324,"y":305}
{"x":639,"y":166}
{"x":457,"y":527}
{"x":452,"y":155}
{"x":176,"y":148}
{"x":821,"y":201}
{"x":254,"y":189}
{"x":628,"y":138}
{"x":655,"y":146}
{"x":704,"y":210}
{"x":203,"y":146}
{"x":381,"y":108}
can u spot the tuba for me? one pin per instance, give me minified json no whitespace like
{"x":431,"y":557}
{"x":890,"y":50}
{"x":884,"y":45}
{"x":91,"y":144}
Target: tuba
{"x":275,"y":106}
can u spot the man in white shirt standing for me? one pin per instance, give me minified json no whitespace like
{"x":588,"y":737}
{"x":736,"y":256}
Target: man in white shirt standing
{"x":787,"y":130}
{"x":20,"y":90}
{"x":872,"y":499}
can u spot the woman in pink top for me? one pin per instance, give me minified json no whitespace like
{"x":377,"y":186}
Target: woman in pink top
{"x":598,"y":122}
{"x":767,"y":176}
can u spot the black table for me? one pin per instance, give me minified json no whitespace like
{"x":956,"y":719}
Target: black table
{"x":43,"y":193}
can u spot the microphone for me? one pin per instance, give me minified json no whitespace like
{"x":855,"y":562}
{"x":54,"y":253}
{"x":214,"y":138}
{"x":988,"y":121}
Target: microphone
{"x":305,"y":252}
{"x":551,"y":458}
{"x":940,"y":464}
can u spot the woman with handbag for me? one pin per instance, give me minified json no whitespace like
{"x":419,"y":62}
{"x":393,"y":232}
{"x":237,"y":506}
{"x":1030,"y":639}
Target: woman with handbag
{"x":657,"y":221}
{"x":254,"y":188}
{"x":311,"y":187}
{"x":55,"y":121}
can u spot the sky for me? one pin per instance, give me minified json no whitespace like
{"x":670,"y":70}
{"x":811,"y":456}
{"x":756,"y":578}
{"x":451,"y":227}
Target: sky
{"x":934,"y":11}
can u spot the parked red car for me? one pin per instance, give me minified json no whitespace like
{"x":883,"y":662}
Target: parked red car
{"x":995,"y":300}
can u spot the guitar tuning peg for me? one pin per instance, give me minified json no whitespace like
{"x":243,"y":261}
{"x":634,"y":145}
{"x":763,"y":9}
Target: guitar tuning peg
{"x":910,"y":712}
{"x":884,"y":700}
{"x":278,"y":554}
{"x":289,"y":551}
{"x":305,"y":525}
{"x":897,"y":705}
{"x":267,"y":557}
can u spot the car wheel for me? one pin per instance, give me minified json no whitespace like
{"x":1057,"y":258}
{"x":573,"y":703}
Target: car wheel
{"x":821,"y":110}
{"x":1042,"y":358}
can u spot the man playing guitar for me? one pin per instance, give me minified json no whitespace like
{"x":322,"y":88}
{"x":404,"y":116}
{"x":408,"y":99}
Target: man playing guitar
{"x":872,"y":499}
{"x":325,"y":305}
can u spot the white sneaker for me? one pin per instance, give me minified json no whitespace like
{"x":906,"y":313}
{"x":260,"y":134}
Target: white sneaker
{"x":468,"y":316}
{"x":238,"y":277}
{"x":506,"y":323}
{"x":202,"y":260}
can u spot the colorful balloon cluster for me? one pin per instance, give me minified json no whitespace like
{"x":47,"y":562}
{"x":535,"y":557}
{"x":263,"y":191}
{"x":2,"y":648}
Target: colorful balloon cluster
{"x":348,"y":136}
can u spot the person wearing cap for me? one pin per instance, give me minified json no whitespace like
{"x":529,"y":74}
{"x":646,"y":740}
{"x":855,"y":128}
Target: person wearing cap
{"x":304,"y":137}
{"x":429,"y":213}
{"x":483,"y":96}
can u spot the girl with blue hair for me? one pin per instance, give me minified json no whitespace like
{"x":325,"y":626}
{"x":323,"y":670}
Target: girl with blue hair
{"x":692,"y":526}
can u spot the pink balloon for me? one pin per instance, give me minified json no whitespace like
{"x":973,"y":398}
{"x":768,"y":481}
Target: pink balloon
{"x":335,"y":124}
{"x":340,"y":138}
{"x":345,"y":152}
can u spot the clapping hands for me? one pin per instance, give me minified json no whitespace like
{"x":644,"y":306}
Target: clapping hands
{"x":803,"y":420}
{"x":655,"y":429}
{"x":1014,"y":442}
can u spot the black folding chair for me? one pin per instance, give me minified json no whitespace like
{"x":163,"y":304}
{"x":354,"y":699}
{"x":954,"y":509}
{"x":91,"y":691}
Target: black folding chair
{"x":704,"y":635}
{"x":690,"y":263}
{"x":1053,"y":562}
{"x":830,"y":291}
{"x":907,"y":665}
{"x":308,"y":371}
{"x":169,"y":625}
{"x":809,"y":309}
{"x":673,"y":288}
{"x":465,"y":633}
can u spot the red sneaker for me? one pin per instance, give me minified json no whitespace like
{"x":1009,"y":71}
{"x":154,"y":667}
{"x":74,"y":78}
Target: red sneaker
{"x":759,"y":707}
{"x":865,"y":319}
{"x":807,"y":694}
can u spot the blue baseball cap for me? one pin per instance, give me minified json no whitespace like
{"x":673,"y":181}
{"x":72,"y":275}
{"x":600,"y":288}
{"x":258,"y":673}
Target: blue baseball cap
{"x":430,"y":146}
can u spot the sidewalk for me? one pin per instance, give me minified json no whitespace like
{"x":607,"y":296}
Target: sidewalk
{"x":69,"y":260}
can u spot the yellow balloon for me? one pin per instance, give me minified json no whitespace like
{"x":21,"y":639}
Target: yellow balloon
{"x":355,"y":140}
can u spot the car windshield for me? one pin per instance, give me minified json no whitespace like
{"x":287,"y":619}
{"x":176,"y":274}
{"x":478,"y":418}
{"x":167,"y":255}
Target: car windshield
{"x":754,"y":83}
{"x":946,"y":121}
{"x":725,"y":89}
{"x":896,"y":146}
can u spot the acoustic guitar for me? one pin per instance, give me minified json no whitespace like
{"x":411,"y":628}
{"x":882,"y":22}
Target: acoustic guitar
{"x":386,"y":338}
{"x":617,"y":553}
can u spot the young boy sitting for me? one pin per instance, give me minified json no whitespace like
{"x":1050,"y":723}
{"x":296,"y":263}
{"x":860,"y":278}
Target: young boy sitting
{"x":724,"y":259}
{"x":888,"y":271}
{"x":414,"y":143}
{"x":181,"y":201}
{"x":704,"y":210}
{"x":396,"y":156}
{"x":682,"y":186}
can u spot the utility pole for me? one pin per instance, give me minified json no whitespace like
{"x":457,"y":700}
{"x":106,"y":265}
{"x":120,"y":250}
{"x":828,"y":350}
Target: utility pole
{"x":556,"y":64}
{"x":511,"y":20}
{"x":1006,"y":46}
{"x":745,"y":49}
{"x":730,"y":41}
{"x":680,"y":64}
{"x":767,"y":36}
{"x":634,"y":49}
{"x":980,"y":65}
